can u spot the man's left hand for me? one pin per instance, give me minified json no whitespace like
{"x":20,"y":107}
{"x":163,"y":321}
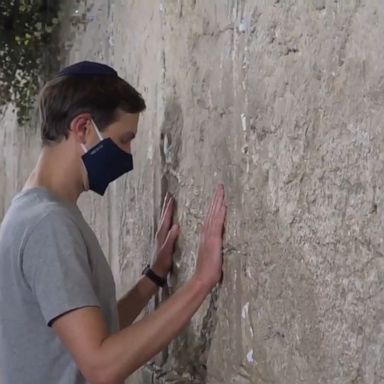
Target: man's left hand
{"x":165,"y":238}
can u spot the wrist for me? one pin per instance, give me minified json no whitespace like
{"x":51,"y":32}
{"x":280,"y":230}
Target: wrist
{"x":147,"y":287}
{"x":161,"y":272}
{"x":157,"y":279}
{"x":202,"y":284}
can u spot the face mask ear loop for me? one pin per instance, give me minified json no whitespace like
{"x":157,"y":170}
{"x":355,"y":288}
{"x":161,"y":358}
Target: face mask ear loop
{"x":97,"y":130}
{"x":84,"y":148}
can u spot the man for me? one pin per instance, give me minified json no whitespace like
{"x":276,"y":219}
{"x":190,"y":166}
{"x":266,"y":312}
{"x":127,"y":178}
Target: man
{"x":59,"y":320}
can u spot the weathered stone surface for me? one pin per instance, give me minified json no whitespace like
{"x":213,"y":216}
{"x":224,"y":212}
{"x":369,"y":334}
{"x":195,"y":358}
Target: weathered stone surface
{"x":283,"y":102}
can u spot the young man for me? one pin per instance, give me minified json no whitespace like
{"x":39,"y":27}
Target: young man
{"x":59,"y":320}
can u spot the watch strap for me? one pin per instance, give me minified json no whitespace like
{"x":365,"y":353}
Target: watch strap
{"x":159,"y":281}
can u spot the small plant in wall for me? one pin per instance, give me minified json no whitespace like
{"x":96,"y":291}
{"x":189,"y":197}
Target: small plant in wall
{"x":26,"y":33}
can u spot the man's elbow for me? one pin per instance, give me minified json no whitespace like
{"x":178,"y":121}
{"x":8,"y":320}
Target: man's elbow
{"x":102,"y":376}
{"x":97,"y":372}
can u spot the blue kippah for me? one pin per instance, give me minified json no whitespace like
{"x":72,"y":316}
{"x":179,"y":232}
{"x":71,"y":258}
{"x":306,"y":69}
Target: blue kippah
{"x":87,"y":68}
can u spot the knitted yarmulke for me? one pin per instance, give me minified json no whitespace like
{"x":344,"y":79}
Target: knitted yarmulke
{"x":84,"y":68}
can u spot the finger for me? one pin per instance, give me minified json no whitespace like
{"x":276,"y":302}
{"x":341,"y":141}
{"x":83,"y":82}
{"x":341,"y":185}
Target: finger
{"x":169,"y":212}
{"x":217,"y":198}
{"x":171,"y":238}
{"x":219,"y":202}
{"x":220,"y":198}
{"x":222,"y":215}
{"x":218,"y":216}
{"x":219,"y":219}
{"x":165,"y":203}
{"x":166,"y":221}
{"x":167,"y":207}
{"x":210,"y":209}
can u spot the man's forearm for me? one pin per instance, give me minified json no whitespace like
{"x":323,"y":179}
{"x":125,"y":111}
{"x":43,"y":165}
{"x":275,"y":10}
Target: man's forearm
{"x":134,"y":301}
{"x":124,"y":352}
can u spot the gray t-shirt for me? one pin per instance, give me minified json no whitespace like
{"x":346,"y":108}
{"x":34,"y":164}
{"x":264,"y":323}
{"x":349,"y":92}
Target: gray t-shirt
{"x":50,"y":263}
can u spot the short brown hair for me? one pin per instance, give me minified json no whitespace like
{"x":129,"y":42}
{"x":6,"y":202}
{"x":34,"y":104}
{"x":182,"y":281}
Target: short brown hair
{"x":65,"y":97}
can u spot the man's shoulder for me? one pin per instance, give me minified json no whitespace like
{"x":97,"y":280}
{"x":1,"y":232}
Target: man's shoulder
{"x":28,"y":211}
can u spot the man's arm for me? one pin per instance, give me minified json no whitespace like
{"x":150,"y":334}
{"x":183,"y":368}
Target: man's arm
{"x":110,"y":359}
{"x":104,"y":358}
{"x":134,"y":301}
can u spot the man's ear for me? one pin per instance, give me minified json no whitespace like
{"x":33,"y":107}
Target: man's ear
{"x":80,"y":127}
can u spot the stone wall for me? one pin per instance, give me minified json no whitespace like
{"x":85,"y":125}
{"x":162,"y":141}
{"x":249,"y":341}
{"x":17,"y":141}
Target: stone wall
{"x":283,"y":102}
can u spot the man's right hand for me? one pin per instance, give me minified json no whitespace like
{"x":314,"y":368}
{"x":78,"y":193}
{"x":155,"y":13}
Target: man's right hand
{"x":210,"y":259}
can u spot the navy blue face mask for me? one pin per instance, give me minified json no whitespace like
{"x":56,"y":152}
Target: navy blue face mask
{"x":105,"y":162}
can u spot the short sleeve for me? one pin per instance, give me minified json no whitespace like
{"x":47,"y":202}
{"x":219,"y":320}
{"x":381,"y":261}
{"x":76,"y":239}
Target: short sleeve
{"x":56,"y":267}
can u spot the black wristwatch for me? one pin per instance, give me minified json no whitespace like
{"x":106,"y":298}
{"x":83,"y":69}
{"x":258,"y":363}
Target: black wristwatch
{"x":160,"y":281}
